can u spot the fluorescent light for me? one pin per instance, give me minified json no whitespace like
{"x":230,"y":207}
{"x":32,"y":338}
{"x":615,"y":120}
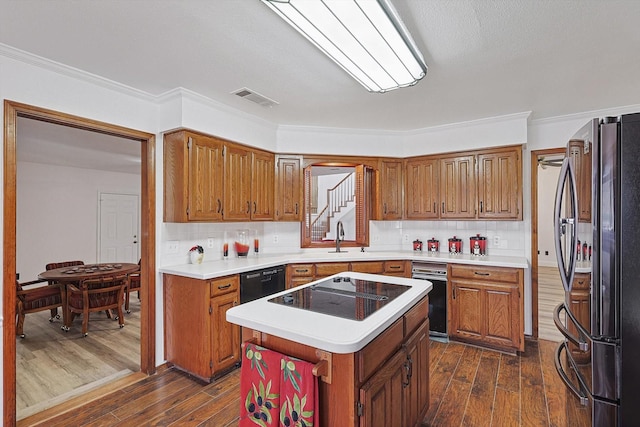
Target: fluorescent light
{"x":365,"y":37}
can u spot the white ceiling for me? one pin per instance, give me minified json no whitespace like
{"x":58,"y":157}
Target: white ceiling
{"x":486,"y":57}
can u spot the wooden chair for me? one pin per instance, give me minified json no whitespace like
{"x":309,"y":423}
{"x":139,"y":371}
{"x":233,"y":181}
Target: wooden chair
{"x":94,"y":295}
{"x":134,"y":285}
{"x":32,"y":299}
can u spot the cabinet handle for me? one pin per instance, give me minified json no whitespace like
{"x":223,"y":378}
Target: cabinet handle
{"x":385,"y":208}
{"x":248,"y":206}
{"x":227,"y":286}
{"x":480,"y":206}
{"x":480,"y":273}
{"x":442,"y":207}
{"x":296,"y":209}
{"x":302,"y":271}
{"x":394,"y":267}
{"x":454,"y":292}
{"x":255,"y":207}
{"x":219,"y":205}
{"x":434,"y":207}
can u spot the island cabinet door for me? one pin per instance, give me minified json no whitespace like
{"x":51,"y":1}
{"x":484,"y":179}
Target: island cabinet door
{"x":466,"y":311}
{"x":226,"y":337}
{"x":382,"y":398}
{"x":416,"y":392}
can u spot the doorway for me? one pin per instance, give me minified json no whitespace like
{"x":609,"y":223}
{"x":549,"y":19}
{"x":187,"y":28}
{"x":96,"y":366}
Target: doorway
{"x":12,"y":111}
{"x":536,"y":221}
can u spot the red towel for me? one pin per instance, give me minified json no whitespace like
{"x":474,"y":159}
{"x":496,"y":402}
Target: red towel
{"x":298,"y":394}
{"x":276,"y":390}
{"x":259,"y":386}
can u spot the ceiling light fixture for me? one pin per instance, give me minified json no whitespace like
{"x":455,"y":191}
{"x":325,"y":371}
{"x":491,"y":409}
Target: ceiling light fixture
{"x":365,"y":37}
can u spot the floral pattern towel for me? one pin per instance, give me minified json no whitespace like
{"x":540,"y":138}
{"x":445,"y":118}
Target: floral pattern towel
{"x":276,"y":390}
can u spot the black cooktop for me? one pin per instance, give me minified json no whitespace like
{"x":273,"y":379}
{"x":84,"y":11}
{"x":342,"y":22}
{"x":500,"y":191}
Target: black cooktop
{"x":343,"y":297}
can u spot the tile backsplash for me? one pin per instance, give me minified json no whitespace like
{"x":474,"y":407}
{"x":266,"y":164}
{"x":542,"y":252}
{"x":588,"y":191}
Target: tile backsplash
{"x":284,"y":237}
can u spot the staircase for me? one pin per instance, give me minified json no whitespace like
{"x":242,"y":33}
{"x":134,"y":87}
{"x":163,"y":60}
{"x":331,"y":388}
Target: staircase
{"x":338,"y":198}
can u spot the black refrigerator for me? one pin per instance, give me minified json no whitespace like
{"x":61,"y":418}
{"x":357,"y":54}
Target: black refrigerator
{"x":607,"y":380}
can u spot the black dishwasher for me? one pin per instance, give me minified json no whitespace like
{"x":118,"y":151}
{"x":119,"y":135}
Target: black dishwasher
{"x":261,"y":283}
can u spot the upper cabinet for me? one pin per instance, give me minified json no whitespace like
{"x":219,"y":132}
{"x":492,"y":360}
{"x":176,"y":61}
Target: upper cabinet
{"x":500,"y":184}
{"x":422,"y":188}
{"x":484,"y":184}
{"x":193,"y":177}
{"x":391,"y":185}
{"x":458,"y":187}
{"x":579,"y":152}
{"x":210,"y":179}
{"x":288,"y":188}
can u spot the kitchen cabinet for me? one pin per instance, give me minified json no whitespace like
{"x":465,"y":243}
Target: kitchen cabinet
{"x":262,"y":185}
{"x":373,"y":267}
{"x":193,"y":177}
{"x":579,"y":152}
{"x":237,"y":179}
{"x":580,"y":306}
{"x":500,"y":183}
{"x":299,"y":274}
{"x":458,"y":187}
{"x":421,"y":188}
{"x":391,"y":186}
{"x":385,"y":383}
{"x":289,"y":188}
{"x":486,"y":306}
{"x":397,"y":268}
{"x":198,"y":339}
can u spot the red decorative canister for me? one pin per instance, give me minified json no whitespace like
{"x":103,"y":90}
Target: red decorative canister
{"x":455,"y":245}
{"x":417,"y":245}
{"x":478,"y":245}
{"x":433,"y":245}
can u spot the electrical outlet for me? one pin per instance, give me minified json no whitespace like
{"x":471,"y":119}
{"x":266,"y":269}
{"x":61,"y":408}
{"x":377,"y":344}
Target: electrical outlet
{"x":496,"y":241}
{"x":275,"y":238}
{"x":172,"y":246}
{"x":210,"y":242}
{"x":376,"y":239}
{"x":406,"y":238}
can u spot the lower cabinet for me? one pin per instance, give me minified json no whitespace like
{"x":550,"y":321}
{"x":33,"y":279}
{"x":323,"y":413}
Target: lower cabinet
{"x":580,"y":306}
{"x":486,"y":306}
{"x":300,"y":274}
{"x":198,"y":338}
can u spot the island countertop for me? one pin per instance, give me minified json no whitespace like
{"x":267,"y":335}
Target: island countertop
{"x":323,"y":331}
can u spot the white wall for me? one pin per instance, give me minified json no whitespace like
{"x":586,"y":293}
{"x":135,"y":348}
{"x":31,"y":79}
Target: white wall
{"x":57,"y":213}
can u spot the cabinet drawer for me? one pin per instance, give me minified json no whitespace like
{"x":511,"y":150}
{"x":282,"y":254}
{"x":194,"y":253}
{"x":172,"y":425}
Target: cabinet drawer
{"x":379,"y":350}
{"x":494,"y":274}
{"x":224,"y":285}
{"x":416,"y":316}
{"x":301,"y":270}
{"x":582,"y":282}
{"x":329,"y":268}
{"x":299,"y":281}
{"x":394,"y":266}
{"x":374,"y":267}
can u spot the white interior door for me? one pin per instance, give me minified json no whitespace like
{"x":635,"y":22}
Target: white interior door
{"x":118,"y":228}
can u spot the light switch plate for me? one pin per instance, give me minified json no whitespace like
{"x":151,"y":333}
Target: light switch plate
{"x":172,"y":246}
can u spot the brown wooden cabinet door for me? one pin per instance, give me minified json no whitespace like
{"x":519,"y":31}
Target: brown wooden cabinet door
{"x":237,"y":182}
{"x":580,"y":306}
{"x":500,"y":184}
{"x":466,"y":311}
{"x":417,"y":392}
{"x":458,"y":187}
{"x":422,"y":189}
{"x":382,"y":397}
{"x":582,"y":168}
{"x":226,"y":336}
{"x":262,"y":186}
{"x":501,"y":315}
{"x":289,"y":189}
{"x":206,"y":190}
{"x":391,"y":189}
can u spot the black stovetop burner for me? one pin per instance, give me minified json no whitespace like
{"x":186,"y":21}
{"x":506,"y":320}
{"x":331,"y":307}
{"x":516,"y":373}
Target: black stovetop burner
{"x":343,"y":297}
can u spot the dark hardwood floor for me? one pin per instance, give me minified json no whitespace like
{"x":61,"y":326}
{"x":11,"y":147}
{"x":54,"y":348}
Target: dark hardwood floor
{"x":469,"y":387}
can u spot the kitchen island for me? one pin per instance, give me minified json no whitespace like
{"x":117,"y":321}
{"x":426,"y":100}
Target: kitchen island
{"x":375,"y":370}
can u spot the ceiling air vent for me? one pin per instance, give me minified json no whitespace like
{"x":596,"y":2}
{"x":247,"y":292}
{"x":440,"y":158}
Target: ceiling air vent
{"x":253,"y":96}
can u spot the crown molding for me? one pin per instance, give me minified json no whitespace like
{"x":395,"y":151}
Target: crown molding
{"x":588,"y":115}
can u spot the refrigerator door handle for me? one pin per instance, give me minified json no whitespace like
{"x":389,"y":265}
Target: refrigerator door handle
{"x":581,"y":343}
{"x":567,"y":271}
{"x":580,"y":393}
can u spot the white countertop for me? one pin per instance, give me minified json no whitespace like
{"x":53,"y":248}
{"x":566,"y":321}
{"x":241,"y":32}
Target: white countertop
{"x":326,"y":332}
{"x":212,"y":269}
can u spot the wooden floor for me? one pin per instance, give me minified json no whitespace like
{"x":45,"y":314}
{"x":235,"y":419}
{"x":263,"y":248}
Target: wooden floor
{"x":52,"y":366}
{"x":469,"y":387}
{"x":550,"y":294}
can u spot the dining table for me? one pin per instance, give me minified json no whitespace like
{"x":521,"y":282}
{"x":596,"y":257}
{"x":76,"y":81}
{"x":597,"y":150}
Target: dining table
{"x":77,"y":273}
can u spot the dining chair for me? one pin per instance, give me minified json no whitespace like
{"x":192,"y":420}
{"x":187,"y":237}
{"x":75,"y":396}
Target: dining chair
{"x":53,"y":266}
{"x":95,"y":295}
{"x":134,"y":285}
{"x":33,"y":299}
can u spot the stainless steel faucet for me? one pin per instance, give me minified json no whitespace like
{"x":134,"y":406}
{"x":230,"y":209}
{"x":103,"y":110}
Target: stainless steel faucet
{"x":339,"y":235}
